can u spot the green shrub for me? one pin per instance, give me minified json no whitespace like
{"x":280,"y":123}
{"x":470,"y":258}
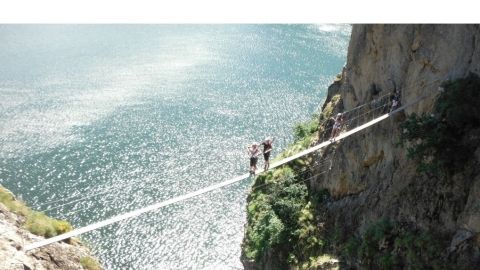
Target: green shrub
{"x":386,"y":261}
{"x":264,"y":231}
{"x":283,"y":173}
{"x":385,"y":245}
{"x":306,"y":129}
{"x":351,"y":247}
{"x":369,"y":251}
{"x":287,"y":201}
{"x":430,"y":139}
{"x":309,"y":128}
{"x":39,"y":224}
{"x":321,"y":196}
{"x":16,"y":206}
{"x":438,"y":142}
{"x":328,"y":109}
{"x":88,"y":263}
{"x":306,"y":232}
{"x":280,"y":216}
{"x":35,"y":222}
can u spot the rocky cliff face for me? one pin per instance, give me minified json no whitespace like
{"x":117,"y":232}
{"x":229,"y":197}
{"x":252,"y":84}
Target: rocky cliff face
{"x":407,"y":57}
{"x":13,"y":237}
{"x":374,"y":209}
{"x":372,"y":178}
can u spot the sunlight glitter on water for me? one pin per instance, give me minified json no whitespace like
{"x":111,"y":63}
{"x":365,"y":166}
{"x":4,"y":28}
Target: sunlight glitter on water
{"x":139,"y":114}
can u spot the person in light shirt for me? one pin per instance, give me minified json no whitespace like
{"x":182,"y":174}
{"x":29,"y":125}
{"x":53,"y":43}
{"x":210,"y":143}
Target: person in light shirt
{"x":253,"y":152}
{"x":337,"y":127}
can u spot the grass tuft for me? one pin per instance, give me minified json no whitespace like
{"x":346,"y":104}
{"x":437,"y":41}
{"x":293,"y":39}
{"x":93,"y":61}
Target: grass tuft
{"x":36,"y":222}
{"x":88,"y":263}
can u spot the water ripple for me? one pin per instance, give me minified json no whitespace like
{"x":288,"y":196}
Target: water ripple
{"x":146,"y":113}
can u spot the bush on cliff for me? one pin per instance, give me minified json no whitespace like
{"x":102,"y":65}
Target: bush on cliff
{"x":280,"y":217}
{"x":305,"y":129}
{"x":35,"y":222}
{"x":265,"y":230}
{"x":89,"y":263}
{"x":439,"y":142}
{"x":387,"y":245}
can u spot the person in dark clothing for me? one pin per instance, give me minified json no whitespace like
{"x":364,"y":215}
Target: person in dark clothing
{"x":267,"y":149}
{"x":328,"y":127}
{"x":395,"y":101}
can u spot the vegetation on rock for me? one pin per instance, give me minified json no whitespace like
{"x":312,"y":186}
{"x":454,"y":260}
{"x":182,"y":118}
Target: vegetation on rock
{"x":35,"y":222}
{"x":282,"y":214}
{"x":88,"y":263}
{"x":387,"y":245}
{"x":438,"y":141}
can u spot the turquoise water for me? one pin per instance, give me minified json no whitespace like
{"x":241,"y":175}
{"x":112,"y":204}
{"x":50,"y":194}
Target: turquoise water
{"x":99,"y":120}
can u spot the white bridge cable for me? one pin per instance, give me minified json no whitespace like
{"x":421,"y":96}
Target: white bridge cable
{"x":364,"y":104}
{"x":326,"y":161}
{"x":155,"y":206}
{"x":92,"y":195}
{"x":110,"y":190}
{"x":301,"y":174}
{"x":385,"y":99}
{"x":83,"y":197}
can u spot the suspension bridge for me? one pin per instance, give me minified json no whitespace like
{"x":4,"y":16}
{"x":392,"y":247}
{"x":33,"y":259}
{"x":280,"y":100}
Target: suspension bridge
{"x":358,"y":119}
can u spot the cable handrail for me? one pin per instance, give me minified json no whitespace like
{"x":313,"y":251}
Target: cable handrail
{"x":158,"y":205}
{"x":107,"y":190}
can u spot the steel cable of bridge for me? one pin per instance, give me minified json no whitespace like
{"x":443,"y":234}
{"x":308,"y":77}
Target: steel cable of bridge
{"x":212,"y":187}
{"x":384,"y":98}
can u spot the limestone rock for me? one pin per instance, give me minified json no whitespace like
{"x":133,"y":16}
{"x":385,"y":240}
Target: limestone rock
{"x":12,"y":256}
{"x":370,"y":177}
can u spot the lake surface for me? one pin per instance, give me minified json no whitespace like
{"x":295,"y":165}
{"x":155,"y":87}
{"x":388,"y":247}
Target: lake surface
{"x":99,"y":120}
